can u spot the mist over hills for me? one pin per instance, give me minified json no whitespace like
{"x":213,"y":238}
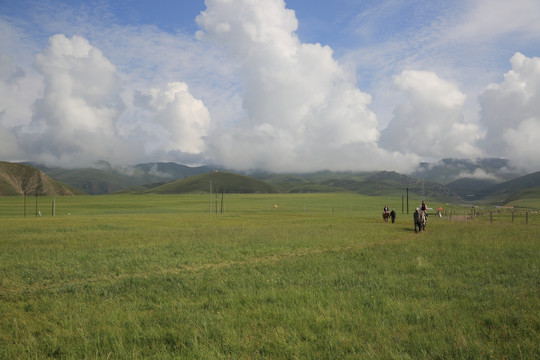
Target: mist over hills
{"x":452,"y":180}
{"x":105,"y":179}
{"x":448,"y":170}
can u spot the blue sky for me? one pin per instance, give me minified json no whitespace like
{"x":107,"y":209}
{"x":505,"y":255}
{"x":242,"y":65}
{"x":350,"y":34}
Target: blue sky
{"x":270,"y":84}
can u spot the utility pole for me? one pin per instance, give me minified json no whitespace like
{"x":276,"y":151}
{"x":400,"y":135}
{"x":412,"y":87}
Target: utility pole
{"x":210,"y":199}
{"x":407,"y":200}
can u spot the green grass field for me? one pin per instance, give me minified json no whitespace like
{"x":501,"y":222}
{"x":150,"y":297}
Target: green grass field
{"x":320,"y":276}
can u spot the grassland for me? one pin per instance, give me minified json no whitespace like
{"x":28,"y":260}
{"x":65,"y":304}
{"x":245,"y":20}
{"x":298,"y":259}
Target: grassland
{"x":318,"y":276}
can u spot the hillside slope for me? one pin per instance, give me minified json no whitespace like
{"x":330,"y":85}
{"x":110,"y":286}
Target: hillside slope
{"x":221,"y":181}
{"x":508,"y":191}
{"x":20,"y":179}
{"x":105,"y":179}
{"x":470,"y":188}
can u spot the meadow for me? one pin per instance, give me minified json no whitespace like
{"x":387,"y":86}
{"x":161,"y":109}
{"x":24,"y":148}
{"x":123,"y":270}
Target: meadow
{"x":303,"y":276}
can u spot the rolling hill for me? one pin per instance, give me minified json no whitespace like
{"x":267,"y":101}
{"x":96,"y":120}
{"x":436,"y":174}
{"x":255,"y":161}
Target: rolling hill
{"x":525,"y":199}
{"x":503,"y":193}
{"x":479,"y":181}
{"x":221,"y":181}
{"x":20,"y":179}
{"x":468,"y":188}
{"x":104,"y":179}
{"x":382,"y":183}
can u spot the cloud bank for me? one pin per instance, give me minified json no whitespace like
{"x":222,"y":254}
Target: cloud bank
{"x":246,"y":93}
{"x":75,"y":120}
{"x":302,"y":109}
{"x":431,"y":124}
{"x":510,"y":112}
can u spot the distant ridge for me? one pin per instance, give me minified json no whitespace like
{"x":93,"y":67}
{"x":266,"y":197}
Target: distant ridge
{"x":481,"y":181}
{"x":221,"y":181}
{"x":509,"y":190}
{"x":428,"y":188}
{"x":20,"y":179}
{"x":447,"y":170}
{"x":105,"y":179}
{"x":471,"y":189}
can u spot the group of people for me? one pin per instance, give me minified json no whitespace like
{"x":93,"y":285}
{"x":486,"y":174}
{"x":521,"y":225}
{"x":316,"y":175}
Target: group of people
{"x":423,"y":208}
{"x":392,"y":213}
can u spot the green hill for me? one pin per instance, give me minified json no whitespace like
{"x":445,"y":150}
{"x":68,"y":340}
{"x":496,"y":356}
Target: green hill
{"x":105,"y":179}
{"x":20,"y":179}
{"x":382,"y":183}
{"x":288,"y":183}
{"x":471,"y":188}
{"x":529,"y":198}
{"x":221,"y":181}
{"x":93,"y":181}
{"x":391,"y":183}
{"x":168,"y":177}
{"x":511,"y":190}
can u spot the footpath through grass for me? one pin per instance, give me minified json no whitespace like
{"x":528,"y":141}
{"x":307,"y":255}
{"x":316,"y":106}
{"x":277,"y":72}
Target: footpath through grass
{"x":318,"y":277}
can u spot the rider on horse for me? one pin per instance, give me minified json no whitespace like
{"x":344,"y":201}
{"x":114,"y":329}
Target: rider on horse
{"x":386,"y":213}
{"x":423,"y":207}
{"x":419,"y":220}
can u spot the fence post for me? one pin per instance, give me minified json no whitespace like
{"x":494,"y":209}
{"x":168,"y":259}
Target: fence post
{"x":512,"y":216}
{"x":527,"y":217}
{"x":491,"y":216}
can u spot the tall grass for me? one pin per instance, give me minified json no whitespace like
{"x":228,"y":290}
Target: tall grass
{"x":320,"y":276}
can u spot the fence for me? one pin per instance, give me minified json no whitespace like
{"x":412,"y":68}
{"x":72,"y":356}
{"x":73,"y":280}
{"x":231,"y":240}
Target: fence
{"x":498,"y":215}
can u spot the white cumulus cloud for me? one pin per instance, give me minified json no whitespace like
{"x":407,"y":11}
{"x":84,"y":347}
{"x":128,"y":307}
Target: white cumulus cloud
{"x":72,"y":110}
{"x":246,"y":92}
{"x":183,"y":120}
{"x":74,"y":120}
{"x":303,"y":110}
{"x":431,"y":123}
{"x":510,"y":112}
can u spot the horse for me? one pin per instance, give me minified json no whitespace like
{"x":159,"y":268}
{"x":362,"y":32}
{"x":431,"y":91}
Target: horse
{"x":419,"y":220}
{"x":385,"y":216}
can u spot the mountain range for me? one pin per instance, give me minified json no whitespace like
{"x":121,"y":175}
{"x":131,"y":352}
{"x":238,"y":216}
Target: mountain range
{"x":20,"y":179}
{"x":452,"y":180}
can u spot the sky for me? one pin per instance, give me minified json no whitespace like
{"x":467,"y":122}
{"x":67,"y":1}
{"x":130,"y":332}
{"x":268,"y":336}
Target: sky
{"x":275,"y":85}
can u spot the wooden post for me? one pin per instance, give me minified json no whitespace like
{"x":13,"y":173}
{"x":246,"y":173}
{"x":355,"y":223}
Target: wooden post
{"x":512,"y":216}
{"x":491,"y":216}
{"x":210,"y":199}
{"x":407,"y":200}
{"x":527,"y":217}
{"x":222,"y":200}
